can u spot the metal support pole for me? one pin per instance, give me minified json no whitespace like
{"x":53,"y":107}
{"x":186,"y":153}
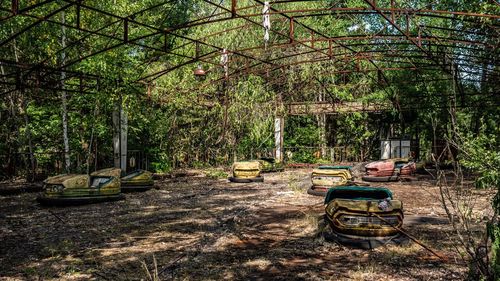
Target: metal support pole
{"x":15,"y":7}
{"x":392,"y":12}
{"x":165,"y":47}
{"x":78,"y":12}
{"x":233,"y":8}
{"x":125,"y":30}
{"x":407,"y":24}
{"x":330,"y":48}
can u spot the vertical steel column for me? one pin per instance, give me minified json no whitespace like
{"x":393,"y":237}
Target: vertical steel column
{"x":233,"y":8}
{"x":407,"y":23}
{"x":78,"y":12}
{"x":392,"y":11}
{"x":330,"y":48}
{"x":125,"y":30}
{"x":165,"y":47}
{"x":15,"y":7}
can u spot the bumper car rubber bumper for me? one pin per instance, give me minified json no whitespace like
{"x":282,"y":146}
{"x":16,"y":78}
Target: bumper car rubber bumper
{"x":380,"y":179}
{"x":246,"y":180}
{"x":136,"y":187}
{"x":70,"y":201}
{"x":318,"y":190}
{"x":365,"y":242}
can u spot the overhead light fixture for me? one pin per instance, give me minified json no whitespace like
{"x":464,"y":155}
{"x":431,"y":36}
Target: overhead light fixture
{"x":199,"y":72}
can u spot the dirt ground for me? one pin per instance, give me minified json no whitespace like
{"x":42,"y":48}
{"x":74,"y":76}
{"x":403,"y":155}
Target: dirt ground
{"x":197,"y":228}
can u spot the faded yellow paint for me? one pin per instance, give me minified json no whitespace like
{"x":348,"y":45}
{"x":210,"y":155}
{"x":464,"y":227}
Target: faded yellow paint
{"x":330,"y":177}
{"x":246,"y":169}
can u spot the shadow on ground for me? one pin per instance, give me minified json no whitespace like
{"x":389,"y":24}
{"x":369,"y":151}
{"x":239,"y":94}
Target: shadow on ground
{"x":203,"y":229}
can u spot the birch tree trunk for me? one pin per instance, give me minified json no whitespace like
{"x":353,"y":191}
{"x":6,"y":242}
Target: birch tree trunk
{"x":120,"y":130}
{"x":64,"y":100}
{"x":321,"y":119}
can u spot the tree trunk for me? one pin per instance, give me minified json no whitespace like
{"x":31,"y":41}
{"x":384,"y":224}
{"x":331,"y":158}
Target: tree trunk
{"x":120,"y":128}
{"x":321,"y":119}
{"x":64,"y":101}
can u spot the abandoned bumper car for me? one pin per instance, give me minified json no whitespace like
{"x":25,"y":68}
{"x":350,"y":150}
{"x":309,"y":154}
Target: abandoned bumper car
{"x":325,"y":177}
{"x":269,"y":165}
{"x":389,"y":170}
{"x":73,"y":189}
{"x":363,"y":217}
{"x":246,"y":171}
{"x":139,"y":180}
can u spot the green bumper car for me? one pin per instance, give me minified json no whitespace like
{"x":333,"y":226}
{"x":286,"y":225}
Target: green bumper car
{"x":269,"y":165}
{"x":363,"y":217}
{"x":74,"y":189}
{"x":139,"y":180}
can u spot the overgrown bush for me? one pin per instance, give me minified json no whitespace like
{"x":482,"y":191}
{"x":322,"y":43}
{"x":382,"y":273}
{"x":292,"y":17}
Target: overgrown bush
{"x":480,"y":153}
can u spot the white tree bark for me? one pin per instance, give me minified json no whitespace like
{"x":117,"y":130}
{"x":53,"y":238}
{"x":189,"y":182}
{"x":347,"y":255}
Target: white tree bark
{"x":64,"y":100}
{"x":120,"y":131}
{"x":278,"y":138}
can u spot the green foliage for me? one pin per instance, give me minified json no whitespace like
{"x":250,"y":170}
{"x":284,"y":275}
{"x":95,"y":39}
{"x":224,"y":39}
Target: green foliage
{"x":494,"y":235}
{"x":482,"y":155}
{"x":161,"y":167}
{"x":216,"y":174}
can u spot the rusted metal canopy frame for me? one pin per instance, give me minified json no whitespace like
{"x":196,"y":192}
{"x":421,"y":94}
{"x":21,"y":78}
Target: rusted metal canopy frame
{"x":329,"y":12}
{"x":392,"y":38}
{"x":407,"y":11}
{"x":161,"y":31}
{"x":305,"y":82}
{"x":406,"y":33}
{"x":301,"y":84}
{"x":298,"y":54}
{"x":256,"y":14}
{"x":321,"y":35}
{"x":113,"y":37}
{"x":408,"y":37}
{"x":123,"y":41}
{"x":257,"y":71}
{"x":422,"y":39}
{"x":127,"y":41}
{"x":42,"y":65}
{"x":38,"y":76}
{"x":470,"y":14}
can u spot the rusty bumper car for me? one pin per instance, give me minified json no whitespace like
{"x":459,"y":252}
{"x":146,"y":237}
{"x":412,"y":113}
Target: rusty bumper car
{"x":325,"y":177}
{"x":269,"y":165}
{"x":245,"y":172}
{"x":363,"y":217}
{"x":389,"y":170}
{"x":139,"y":180}
{"x":74,"y":189}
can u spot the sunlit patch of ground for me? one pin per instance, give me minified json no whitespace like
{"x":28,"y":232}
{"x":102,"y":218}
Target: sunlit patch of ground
{"x":197,"y":228}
